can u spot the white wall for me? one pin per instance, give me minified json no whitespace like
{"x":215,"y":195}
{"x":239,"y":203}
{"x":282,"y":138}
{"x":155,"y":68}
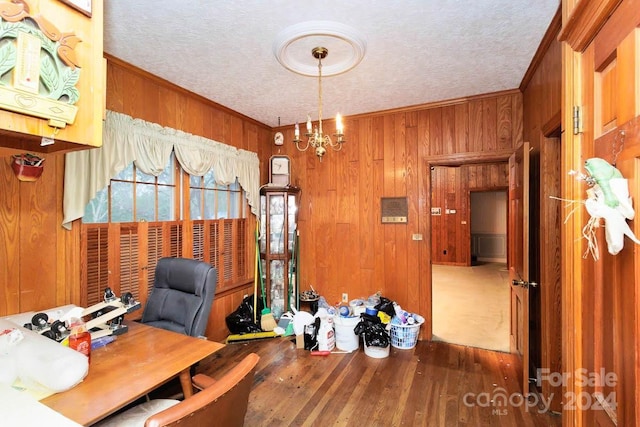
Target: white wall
{"x":489,"y":225}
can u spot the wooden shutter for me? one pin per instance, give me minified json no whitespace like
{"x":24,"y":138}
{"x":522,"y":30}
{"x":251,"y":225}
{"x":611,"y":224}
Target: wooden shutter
{"x":198,"y":236}
{"x":135,"y":249}
{"x":214,"y":243}
{"x":154,"y":253}
{"x":175,"y":240}
{"x":95,"y":263}
{"x":226,"y":275}
{"x":240,"y":249}
{"x":129,"y":261}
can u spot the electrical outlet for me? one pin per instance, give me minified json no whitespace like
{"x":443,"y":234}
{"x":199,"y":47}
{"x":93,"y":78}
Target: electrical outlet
{"x":345,"y":297}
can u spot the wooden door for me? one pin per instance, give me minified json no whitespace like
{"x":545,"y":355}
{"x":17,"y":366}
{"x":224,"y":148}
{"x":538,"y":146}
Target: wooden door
{"x":518,"y":257}
{"x":601,"y":334}
{"x":450,"y":229}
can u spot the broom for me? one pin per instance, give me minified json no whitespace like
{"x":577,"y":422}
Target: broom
{"x":255,"y":276}
{"x":267,"y":322}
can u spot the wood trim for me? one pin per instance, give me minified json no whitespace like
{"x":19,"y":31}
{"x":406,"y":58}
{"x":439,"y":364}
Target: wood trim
{"x":174,"y":88}
{"x":571,"y":253}
{"x":584,"y":21}
{"x":553,"y":124}
{"x":420,"y":107}
{"x":614,"y":31}
{"x":426,"y":285}
{"x":470,"y":158}
{"x":233,"y":288}
{"x":552,"y":32}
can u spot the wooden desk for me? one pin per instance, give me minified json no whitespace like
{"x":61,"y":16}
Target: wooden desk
{"x":137,"y":362}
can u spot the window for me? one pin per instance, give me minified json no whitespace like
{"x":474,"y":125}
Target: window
{"x":136,"y":196}
{"x":213,"y":201}
{"x":139,"y":219}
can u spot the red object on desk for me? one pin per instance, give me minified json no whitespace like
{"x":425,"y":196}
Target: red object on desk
{"x":80,"y":339}
{"x":320,"y":353}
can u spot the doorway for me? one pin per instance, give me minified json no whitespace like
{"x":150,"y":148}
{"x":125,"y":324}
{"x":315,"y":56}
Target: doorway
{"x":545,"y":230}
{"x":488,"y":227}
{"x":473,"y":301}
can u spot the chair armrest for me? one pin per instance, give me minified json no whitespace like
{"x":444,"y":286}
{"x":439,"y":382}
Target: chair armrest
{"x":202,"y":381}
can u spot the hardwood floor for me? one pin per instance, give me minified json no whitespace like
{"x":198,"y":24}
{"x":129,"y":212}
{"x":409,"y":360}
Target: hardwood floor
{"x":434,"y":384}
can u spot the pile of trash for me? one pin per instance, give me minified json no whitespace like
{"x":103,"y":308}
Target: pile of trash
{"x":333,"y":327}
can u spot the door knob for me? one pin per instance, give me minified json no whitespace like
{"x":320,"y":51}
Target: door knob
{"x":524,"y":284}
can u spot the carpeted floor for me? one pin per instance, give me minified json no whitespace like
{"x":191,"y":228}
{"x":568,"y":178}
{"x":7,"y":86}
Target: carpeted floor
{"x":471,"y":305}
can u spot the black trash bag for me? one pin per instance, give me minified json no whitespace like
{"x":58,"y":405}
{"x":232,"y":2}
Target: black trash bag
{"x":386,"y":306}
{"x":375,"y":333}
{"x":377,"y":336}
{"x":366,"y":321}
{"x":241,"y":320}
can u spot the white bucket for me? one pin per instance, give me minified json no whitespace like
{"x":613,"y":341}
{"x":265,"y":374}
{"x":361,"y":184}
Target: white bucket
{"x":376,"y":352}
{"x":346,"y":339}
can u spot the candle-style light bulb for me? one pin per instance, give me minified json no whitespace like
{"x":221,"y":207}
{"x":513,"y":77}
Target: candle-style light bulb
{"x":338,"y":123}
{"x":297,"y":131}
{"x":308,"y":123}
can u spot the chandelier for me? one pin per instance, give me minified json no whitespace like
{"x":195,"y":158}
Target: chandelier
{"x":315,"y":137}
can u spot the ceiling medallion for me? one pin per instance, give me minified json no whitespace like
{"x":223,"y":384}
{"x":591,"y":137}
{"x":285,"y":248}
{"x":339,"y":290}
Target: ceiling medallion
{"x":292,"y":46}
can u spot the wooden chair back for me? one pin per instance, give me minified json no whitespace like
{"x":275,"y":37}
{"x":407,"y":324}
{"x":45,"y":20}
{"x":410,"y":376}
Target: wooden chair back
{"x":221,"y":402}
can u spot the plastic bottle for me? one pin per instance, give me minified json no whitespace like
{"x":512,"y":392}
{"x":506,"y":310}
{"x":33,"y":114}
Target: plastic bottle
{"x":80,"y":338}
{"x":326,"y":334}
{"x":400,"y":314}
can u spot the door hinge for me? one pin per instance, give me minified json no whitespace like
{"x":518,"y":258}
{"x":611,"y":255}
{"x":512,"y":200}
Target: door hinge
{"x":577,"y":120}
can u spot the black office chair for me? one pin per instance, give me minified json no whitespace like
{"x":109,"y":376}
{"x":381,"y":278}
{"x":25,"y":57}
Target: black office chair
{"x":182,"y":296}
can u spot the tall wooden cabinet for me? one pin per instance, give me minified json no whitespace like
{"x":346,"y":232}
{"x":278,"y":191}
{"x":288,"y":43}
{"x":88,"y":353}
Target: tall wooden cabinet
{"x":278,"y":240}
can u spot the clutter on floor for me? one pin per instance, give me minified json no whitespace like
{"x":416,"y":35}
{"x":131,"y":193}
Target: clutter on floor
{"x":329,"y":329}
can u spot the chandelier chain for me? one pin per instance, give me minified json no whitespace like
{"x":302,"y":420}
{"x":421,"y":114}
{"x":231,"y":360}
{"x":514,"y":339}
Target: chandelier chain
{"x":320,"y":95}
{"x":316,"y":137}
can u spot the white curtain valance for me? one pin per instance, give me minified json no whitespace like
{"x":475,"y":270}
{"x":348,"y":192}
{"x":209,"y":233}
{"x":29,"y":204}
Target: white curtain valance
{"x":149,"y":145}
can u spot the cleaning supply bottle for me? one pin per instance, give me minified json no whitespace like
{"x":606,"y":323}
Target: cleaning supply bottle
{"x":80,"y":338}
{"x":326,"y":334}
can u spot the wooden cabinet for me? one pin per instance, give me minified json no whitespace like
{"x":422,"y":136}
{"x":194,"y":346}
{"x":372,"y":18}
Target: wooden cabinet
{"x":278,"y":240}
{"x":53,"y":76}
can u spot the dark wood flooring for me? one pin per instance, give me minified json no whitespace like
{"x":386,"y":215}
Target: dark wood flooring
{"x":434,"y":384}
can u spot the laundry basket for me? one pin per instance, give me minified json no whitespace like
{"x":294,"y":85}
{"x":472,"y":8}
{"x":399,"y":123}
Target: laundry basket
{"x":405,"y":337}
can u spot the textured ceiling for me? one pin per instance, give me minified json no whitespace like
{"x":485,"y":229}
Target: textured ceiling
{"x":415,"y":51}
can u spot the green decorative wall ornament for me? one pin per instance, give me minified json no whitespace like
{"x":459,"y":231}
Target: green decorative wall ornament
{"x":39,"y":69}
{"x":608,"y":199}
{"x":601,"y":173}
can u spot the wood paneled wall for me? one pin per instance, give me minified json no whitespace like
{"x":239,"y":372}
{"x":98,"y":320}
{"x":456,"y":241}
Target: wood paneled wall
{"x":141,"y":95}
{"x":344,"y":247}
{"x":35,"y":252}
{"x":31,"y":213}
{"x":542,"y":90}
{"x":450,"y":191}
